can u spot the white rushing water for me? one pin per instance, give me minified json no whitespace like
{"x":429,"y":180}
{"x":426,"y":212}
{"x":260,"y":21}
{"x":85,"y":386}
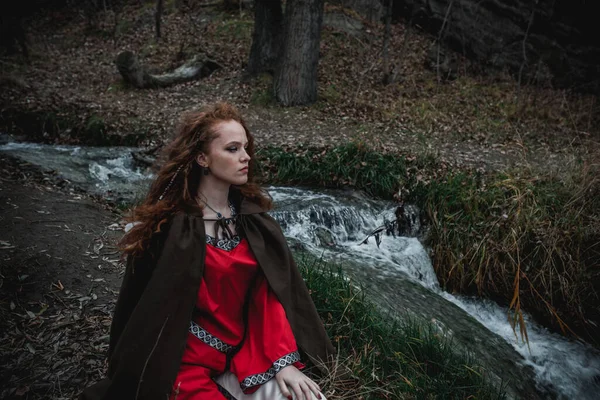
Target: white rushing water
{"x":99,"y":170}
{"x":569,"y":367}
{"x":333,"y":224}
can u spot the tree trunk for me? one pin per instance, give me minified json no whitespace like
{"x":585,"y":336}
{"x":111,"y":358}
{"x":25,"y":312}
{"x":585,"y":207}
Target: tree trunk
{"x":158,"y":16}
{"x":295,"y":80}
{"x":266,"y":39}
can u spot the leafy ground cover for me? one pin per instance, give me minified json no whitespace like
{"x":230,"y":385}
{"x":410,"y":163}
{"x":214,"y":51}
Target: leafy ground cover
{"x":72,"y":91}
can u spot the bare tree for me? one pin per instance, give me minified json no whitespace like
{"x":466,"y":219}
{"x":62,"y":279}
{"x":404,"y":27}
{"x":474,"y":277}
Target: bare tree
{"x":439,"y":41}
{"x":386,"y":42}
{"x":158,"y":16}
{"x":266,"y":39}
{"x":295,"y":80}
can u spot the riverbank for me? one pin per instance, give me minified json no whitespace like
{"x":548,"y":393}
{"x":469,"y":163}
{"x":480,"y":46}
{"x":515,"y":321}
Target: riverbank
{"x":528,"y":239}
{"x":60,"y":278}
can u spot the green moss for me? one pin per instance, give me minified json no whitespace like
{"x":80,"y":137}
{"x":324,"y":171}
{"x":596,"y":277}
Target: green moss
{"x":237,"y":28}
{"x":330,"y":93}
{"x":123,"y":27}
{"x":262,"y":95}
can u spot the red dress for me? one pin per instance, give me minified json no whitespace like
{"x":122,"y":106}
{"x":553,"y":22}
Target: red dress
{"x":239,"y":325}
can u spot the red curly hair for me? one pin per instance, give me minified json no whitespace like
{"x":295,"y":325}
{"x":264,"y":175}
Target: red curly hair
{"x":195,"y":133}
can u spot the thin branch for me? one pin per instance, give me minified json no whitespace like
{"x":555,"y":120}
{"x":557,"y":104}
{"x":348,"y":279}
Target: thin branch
{"x":524,"y":48}
{"x":439,"y":39}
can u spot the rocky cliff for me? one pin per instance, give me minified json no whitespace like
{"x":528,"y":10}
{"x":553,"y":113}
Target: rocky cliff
{"x":540,"y":41}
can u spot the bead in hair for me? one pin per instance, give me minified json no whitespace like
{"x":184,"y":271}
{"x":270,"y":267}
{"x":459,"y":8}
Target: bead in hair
{"x":170,"y":183}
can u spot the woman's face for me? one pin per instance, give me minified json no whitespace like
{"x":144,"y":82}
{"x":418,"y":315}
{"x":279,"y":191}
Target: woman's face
{"x":226,"y":155}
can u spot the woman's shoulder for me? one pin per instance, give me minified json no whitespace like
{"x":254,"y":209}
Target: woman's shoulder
{"x":265,"y":222}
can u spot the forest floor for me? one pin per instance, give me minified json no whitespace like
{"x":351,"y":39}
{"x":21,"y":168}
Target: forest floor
{"x":59,"y":277}
{"x":59,"y":269}
{"x":72,"y":88}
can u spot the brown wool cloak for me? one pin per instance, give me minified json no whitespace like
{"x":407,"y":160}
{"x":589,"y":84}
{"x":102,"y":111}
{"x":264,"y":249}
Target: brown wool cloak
{"x":157,"y":298}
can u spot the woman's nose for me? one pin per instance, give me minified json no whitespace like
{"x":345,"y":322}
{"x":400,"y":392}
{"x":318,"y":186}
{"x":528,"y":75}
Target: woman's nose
{"x":245,"y":155}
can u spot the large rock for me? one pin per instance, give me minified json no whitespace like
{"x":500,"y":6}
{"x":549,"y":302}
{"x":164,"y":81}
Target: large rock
{"x":547,"y":40}
{"x":372,"y":10}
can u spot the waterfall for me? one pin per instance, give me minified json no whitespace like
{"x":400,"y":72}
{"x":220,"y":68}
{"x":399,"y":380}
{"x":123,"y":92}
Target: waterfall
{"x":569,"y":368}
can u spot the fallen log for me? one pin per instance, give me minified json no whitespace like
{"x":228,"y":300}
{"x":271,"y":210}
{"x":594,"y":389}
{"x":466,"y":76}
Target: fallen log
{"x":135,"y":74}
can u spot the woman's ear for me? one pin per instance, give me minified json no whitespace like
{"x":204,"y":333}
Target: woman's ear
{"x":201,"y":160}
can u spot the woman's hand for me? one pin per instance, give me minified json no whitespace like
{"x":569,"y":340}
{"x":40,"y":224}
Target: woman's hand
{"x":291,"y":377}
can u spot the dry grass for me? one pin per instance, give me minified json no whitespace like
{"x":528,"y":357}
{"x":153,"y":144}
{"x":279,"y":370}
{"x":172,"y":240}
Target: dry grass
{"x":528,"y":240}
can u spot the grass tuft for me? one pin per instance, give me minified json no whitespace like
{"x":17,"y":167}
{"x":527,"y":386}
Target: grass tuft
{"x":529,"y":241}
{"x":390,"y":357}
{"x":349,"y":165}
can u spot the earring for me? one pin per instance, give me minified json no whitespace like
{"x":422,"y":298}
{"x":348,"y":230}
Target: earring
{"x":205,"y":171}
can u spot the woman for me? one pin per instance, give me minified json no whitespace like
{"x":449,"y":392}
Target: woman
{"x":212,"y":305}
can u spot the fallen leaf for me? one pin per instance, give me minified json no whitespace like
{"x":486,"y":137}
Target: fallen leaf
{"x":5,"y":245}
{"x":58,"y":285}
{"x":98,"y":246}
{"x":21,"y":390}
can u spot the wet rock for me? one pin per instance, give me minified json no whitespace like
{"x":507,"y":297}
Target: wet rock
{"x":343,"y":23}
{"x":324,"y":237}
{"x":296,"y":245}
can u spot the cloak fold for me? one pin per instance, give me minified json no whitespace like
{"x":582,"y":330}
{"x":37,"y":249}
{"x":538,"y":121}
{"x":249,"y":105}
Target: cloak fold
{"x":157,"y":298}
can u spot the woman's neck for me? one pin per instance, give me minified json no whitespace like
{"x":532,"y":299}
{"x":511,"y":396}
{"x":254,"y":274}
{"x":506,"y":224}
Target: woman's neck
{"x":216,"y":194}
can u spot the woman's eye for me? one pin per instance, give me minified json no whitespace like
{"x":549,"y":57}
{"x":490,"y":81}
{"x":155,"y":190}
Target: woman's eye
{"x":232,"y":149}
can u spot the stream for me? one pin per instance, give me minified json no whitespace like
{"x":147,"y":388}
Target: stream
{"x":398,"y":275}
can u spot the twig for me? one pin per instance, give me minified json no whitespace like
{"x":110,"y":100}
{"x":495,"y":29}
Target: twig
{"x":437,"y":66}
{"x":375,"y":62}
{"x":525,"y":51}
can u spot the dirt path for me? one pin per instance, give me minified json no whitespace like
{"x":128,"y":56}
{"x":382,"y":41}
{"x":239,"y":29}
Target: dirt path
{"x":60,"y":275}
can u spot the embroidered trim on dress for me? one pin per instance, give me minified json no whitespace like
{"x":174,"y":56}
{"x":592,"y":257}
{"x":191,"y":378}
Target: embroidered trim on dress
{"x":224,"y":244}
{"x":278,"y":365}
{"x":209,"y":339}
